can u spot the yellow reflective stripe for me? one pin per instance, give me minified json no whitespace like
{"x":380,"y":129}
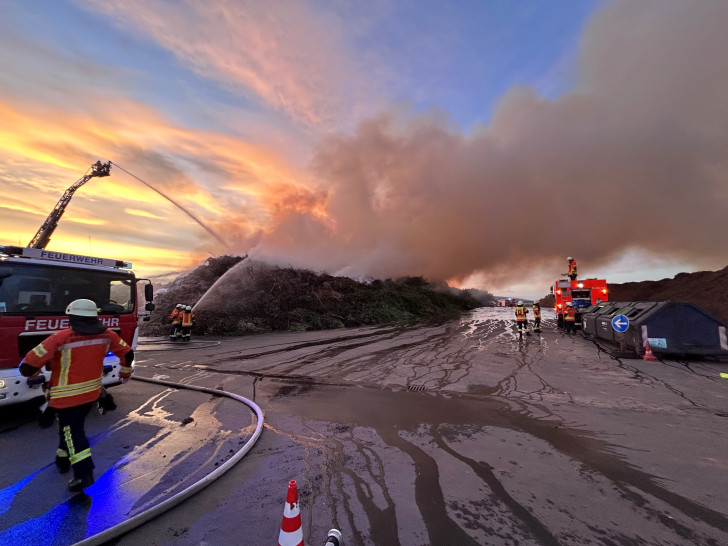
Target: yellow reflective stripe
{"x":126,"y":369}
{"x":69,"y":440}
{"x":62,"y":453}
{"x":40,"y":351}
{"x":85,"y":454}
{"x":65,"y":366}
{"x":77,"y":388}
{"x":122,"y":343}
{"x":85,"y":343}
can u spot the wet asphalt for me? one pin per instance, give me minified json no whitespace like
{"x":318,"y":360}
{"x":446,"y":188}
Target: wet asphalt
{"x":458,"y":433}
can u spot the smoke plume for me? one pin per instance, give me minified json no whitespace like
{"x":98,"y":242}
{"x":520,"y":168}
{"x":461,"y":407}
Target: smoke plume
{"x":633,"y":157}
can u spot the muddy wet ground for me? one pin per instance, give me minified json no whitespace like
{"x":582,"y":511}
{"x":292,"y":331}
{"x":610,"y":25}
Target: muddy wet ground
{"x":460,"y":433}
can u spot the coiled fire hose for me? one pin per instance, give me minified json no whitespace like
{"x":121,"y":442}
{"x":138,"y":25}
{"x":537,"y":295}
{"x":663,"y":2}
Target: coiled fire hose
{"x":143,"y":517}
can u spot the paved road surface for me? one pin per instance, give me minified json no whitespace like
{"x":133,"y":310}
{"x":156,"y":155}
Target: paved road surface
{"x":453,"y":434}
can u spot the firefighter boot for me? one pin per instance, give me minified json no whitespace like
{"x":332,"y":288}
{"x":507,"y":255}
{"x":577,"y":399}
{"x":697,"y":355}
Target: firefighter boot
{"x":77,"y":485}
{"x":105,"y":402}
{"x":62,"y":461}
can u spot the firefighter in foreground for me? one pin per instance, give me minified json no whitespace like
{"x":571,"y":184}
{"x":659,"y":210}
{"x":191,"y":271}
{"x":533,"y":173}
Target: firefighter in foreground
{"x":187,"y":320}
{"x":175,"y":333}
{"x":521,"y":319}
{"x":570,"y":318}
{"x":76,"y":356}
{"x":536,"y":317}
{"x":572,"y":268}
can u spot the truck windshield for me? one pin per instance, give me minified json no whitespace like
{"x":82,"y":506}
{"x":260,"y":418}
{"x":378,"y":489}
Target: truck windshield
{"x":37,"y":289}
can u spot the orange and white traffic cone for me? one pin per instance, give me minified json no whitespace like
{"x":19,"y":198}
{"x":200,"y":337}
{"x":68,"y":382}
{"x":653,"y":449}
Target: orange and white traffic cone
{"x":291,"y":528}
{"x":649,"y":355}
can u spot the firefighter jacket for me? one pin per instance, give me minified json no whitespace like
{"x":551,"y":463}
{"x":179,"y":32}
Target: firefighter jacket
{"x":536,"y":311}
{"x":521,"y":313}
{"x":77,"y":364}
{"x":175,"y":315}
{"x":572,"y":267}
{"x":570,"y":314}
{"x":187,"y":318}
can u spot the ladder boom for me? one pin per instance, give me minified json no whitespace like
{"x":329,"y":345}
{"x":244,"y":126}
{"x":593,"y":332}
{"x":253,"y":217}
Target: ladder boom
{"x":43,"y":235}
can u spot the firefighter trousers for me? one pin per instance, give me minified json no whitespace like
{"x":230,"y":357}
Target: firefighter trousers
{"x":73,"y":443}
{"x":186,"y":334}
{"x":175,"y":332}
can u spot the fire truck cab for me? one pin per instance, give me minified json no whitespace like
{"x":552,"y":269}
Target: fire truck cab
{"x":582,"y":293}
{"x":36,"y":285}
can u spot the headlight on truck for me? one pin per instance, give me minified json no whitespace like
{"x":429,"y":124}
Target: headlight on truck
{"x":2,"y":383}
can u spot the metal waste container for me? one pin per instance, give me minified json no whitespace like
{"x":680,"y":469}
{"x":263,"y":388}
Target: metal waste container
{"x":670,"y":327}
{"x":679,"y":328}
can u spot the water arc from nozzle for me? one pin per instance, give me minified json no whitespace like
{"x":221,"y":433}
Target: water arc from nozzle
{"x":168,"y":198}
{"x":225,"y":276}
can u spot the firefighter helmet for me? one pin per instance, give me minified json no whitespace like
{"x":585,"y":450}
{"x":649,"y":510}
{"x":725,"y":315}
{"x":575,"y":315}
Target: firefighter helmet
{"x":188,"y":308}
{"x":569,"y":258}
{"x":520,"y":302}
{"x":180,"y":305}
{"x":82,"y":308}
{"x":569,"y":304}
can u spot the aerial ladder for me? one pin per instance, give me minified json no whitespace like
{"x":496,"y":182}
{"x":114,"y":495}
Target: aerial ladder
{"x":43,"y":236}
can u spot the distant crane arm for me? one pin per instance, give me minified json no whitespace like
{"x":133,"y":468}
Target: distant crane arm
{"x":43,"y":236}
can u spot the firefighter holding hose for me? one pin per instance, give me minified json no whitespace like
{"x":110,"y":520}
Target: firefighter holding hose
{"x":175,"y":332}
{"x":76,"y":356}
{"x":187,"y":320}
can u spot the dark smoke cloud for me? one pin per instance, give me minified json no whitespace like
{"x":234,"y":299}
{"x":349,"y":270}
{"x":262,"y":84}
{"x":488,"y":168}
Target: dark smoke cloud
{"x":636,"y":156}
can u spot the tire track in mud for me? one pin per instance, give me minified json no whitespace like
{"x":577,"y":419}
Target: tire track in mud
{"x":321,"y":481}
{"x":441,"y":529}
{"x":485,"y":472}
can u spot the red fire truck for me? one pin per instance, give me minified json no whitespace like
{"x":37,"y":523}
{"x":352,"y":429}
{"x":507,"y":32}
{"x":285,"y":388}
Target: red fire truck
{"x":582,"y":293}
{"x":36,"y":285}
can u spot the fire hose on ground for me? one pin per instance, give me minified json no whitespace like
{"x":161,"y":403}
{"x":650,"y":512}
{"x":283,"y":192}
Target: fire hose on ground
{"x":143,"y":517}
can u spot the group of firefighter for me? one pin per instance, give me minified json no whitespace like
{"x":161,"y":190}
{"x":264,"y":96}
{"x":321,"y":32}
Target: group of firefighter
{"x":569,"y":311}
{"x":183,"y":319}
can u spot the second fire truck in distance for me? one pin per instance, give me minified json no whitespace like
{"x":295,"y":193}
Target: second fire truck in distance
{"x":582,"y":293}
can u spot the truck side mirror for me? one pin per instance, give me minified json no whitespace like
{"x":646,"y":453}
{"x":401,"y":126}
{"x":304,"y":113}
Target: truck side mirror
{"x":149,"y":306}
{"x":148,"y":292}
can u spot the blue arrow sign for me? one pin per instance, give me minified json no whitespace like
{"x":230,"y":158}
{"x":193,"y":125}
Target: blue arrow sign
{"x":620,"y":323}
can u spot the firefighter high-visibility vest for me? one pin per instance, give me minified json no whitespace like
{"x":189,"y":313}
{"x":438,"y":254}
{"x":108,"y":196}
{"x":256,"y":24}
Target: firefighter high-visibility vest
{"x":572,"y":267}
{"x":187,"y":317}
{"x":77,"y":364}
{"x":536,"y":311}
{"x":175,"y":315}
{"x":520,"y":313}
{"x":570,"y":314}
